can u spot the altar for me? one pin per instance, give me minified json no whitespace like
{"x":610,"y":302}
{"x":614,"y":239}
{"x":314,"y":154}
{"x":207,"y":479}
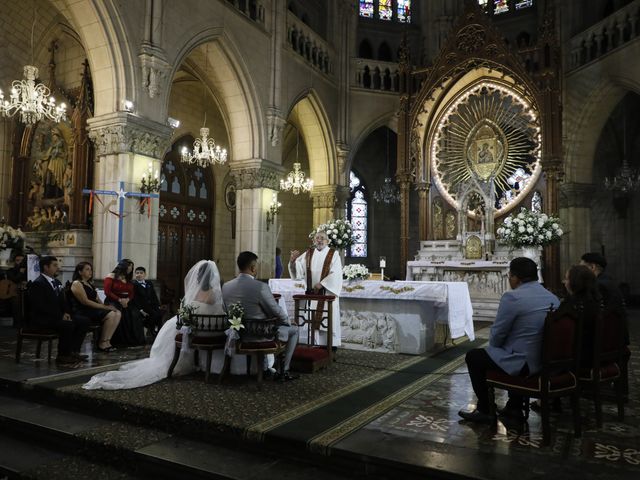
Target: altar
{"x":394,"y":316}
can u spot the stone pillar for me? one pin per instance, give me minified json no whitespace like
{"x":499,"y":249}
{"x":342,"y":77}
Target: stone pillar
{"x":575,"y":213}
{"x":328,"y":202}
{"x":424,"y":220}
{"x":255,"y":181}
{"x":552,"y":171}
{"x":125,"y":145}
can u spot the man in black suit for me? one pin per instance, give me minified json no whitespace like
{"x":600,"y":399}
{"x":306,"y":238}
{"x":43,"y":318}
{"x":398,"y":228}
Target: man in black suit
{"x":146,"y":302}
{"x":48,"y":309}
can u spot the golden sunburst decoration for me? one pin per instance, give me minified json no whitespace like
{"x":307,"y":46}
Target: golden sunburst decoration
{"x":490,"y":132}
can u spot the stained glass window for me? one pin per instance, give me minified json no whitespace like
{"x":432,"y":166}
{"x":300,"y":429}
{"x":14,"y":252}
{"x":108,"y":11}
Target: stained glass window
{"x":500,"y":6}
{"x":385,"y":10}
{"x":524,"y":4}
{"x":357,"y":215}
{"x":404,"y":11}
{"x":366,"y":8}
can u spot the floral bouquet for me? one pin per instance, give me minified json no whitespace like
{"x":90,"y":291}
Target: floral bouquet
{"x":11,"y":237}
{"x":339,"y":231}
{"x":529,"y":229}
{"x":355,"y":271}
{"x":235,"y":311}
{"x":185,"y":312}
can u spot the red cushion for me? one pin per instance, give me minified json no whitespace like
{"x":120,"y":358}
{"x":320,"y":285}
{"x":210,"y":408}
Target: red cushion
{"x":562,"y":381}
{"x":204,"y":340}
{"x":313,"y":354}
{"x":607,"y":372}
{"x":258,"y":345}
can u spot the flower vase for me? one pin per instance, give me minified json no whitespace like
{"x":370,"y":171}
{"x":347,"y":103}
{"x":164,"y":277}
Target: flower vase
{"x":5,"y":255}
{"x":533,"y":252}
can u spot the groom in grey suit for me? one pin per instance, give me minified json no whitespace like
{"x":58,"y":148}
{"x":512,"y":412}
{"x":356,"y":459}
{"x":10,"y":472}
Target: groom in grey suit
{"x":515,"y":342}
{"x":258,"y":302}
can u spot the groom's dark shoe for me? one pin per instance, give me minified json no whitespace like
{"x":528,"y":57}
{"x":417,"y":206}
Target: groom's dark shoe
{"x":287,"y":376}
{"x":477,"y":416}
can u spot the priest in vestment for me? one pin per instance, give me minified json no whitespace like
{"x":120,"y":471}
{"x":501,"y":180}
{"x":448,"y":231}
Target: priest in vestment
{"x":325,"y":271}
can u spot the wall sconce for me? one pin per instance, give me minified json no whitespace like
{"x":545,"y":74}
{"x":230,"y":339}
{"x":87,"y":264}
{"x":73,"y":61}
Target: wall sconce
{"x":128,"y":106}
{"x":274,"y":209}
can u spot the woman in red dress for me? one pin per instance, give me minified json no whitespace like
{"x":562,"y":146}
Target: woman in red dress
{"x":119,"y":292}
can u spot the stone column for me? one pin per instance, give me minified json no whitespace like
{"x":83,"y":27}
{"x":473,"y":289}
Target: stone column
{"x":424,"y":219}
{"x":553,"y":173}
{"x":328,"y":202}
{"x":575,"y":213}
{"x":125,"y":145}
{"x":255,"y":181}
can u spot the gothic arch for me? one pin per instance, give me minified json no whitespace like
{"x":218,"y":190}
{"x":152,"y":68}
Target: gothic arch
{"x":308,"y":114}
{"x":583,"y":138}
{"x":388,"y":120}
{"x":231,"y":83}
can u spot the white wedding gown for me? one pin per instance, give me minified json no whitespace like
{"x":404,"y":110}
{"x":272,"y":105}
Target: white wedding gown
{"x":150,"y":370}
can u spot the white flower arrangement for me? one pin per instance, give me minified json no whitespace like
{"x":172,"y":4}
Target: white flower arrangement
{"x":185,"y":313}
{"x":11,"y":237}
{"x":339,"y":231}
{"x":529,"y":229}
{"x":235,"y":311}
{"x":355,"y":271}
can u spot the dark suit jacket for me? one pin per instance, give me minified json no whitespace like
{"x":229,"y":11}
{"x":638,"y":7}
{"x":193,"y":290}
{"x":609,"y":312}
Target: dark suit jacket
{"x":44,"y":305}
{"x":613,"y":301}
{"x":145,"y":297}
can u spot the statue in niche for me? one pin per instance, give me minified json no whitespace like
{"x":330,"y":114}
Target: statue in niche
{"x":54,"y":160}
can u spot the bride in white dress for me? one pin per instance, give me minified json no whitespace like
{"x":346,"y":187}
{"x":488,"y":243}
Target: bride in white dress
{"x":202,"y":289}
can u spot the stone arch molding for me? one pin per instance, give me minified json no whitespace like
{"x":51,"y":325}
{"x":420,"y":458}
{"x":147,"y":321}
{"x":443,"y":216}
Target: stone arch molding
{"x":231,"y":85}
{"x":389,"y":120}
{"x":584,"y":134}
{"x":103,"y":37}
{"x":309,"y":115}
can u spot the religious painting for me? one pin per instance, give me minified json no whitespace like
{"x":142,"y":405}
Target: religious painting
{"x":230,"y":197}
{"x":50,"y":176}
{"x":485,"y":149}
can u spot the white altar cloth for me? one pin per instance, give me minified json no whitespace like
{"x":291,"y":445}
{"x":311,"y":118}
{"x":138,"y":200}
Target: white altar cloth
{"x":414,"y":310}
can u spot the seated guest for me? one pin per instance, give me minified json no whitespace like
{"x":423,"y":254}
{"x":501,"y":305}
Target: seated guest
{"x":258,"y":303}
{"x":119,"y":292}
{"x":515,"y":342}
{"x":146,"y":301}
{"x":48,"y":309}
{"x":18,"y":273}
{"x":85,"y":302}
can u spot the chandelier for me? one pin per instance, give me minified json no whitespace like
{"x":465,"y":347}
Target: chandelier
{"x":296,"y":181}
{"x":626,"y":179}
{"x":33,"y":101}
{"x":205,"y":151}
{"x":389,"y":192}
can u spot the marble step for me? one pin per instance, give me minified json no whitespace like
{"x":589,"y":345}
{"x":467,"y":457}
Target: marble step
{"x":140,"y":451}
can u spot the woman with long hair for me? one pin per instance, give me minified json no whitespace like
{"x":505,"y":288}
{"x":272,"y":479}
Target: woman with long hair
{"x":119,"y":291}
{"x":85,"y":302}
{"x":202,"y":290}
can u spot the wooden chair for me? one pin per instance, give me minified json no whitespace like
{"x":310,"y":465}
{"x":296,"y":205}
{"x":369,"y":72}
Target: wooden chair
{"x":606,"y":364}
{"x":258,"y":338}
{"x":558,"y":377}
{"x":314,"y":312}
{"x":208,"y":335}
{"x":31,"y":333}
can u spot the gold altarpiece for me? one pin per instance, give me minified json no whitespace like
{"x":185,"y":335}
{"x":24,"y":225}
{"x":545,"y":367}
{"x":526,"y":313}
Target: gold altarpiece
{"x":51,"y":165}
{"x":480,"y":135}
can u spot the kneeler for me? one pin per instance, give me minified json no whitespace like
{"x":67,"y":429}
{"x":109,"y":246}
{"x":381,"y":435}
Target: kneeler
{"x":314,"y":312}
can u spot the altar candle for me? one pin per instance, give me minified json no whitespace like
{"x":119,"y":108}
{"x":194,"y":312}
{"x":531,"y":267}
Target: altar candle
{"x":383,"y":262}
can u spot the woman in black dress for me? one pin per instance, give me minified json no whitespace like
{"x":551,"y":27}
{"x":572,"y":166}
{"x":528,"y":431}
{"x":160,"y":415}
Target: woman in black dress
{"x":85,"y":302}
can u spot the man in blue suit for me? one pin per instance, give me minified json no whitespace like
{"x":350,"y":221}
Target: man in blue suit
{"x":515,"y":342}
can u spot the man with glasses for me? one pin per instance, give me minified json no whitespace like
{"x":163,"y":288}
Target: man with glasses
{"x":515,"y":342}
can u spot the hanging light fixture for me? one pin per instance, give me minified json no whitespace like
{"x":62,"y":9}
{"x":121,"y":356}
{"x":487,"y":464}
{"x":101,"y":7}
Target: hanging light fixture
{"x":205,"y":150}
{"x":388,"y":193}
{"x":33,"y":101}
{"x":627,"y":179}
{"x":296,"y":181}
